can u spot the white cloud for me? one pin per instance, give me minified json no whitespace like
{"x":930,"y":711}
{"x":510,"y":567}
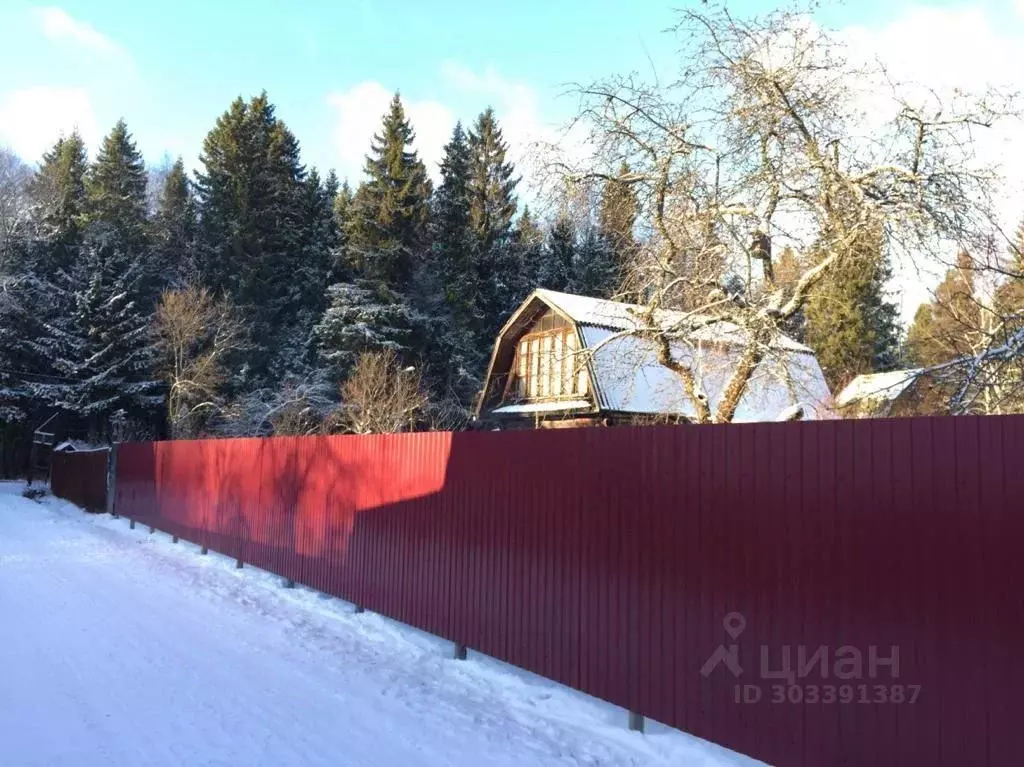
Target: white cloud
{"x":516,"y":105}
{"x":359,"y":111}
{"x":59,"y":26}
{"x":467,"y":93}
{"x":32,"y":119}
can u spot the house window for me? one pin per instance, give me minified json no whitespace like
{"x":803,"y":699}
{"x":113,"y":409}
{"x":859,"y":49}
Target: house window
{"x":548,"y":367}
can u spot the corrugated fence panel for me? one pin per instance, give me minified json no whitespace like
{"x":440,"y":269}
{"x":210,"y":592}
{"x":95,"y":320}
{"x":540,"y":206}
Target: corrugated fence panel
{"x":834,"y":593}
{"x":81,"y":477}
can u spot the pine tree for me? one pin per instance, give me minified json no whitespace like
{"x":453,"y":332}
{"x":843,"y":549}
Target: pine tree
{"x":948,"y":326}
{"x":492,"y":206}
{"x":174,"y":230}
{"x":559,"y":256}
{"x":387,"y":229}
{"x":252,"y":206}
{"x":849,"y":320}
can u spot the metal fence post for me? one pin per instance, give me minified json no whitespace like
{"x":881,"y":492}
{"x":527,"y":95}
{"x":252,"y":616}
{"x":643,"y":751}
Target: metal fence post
{"x":636,"y":721}
{"x":112,"y":480}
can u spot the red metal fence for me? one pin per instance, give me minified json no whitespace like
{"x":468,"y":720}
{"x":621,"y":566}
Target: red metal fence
{"x":81,"y":478}
{"x":625,"y":562}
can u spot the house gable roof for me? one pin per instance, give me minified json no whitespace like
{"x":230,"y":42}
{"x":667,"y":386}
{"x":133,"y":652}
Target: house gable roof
{"x":626,"y":376}
{"x":620,"y":316}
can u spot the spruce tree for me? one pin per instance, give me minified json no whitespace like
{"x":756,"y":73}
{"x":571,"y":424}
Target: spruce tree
{"x":58,"y":191}
{"x":559,"y":255}
{"x":21,"y":356}
{"x":452,"y":237}
{"x":528,"y":240}
{"x":387,"y":228}
{"x":101,"y":346}
{"x":492,"y":185}
{"x":116,"y":188}
{"x":252,"y":206}
{"x":849,"y":320}
{"x":456,"y":358}
{"x":362,"y":316}
{"x":595,"y":270}
{"x":617,"y":215}
{"x":341,"y":262}
{"x":321,"y":240}
{"x":492,"y":206}
{"x":174,"y":230}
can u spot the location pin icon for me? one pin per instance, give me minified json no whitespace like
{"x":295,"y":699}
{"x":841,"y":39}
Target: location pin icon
{"x":734,"y":624}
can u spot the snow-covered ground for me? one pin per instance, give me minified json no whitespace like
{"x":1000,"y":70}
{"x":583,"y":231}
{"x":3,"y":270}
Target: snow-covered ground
{"x":120,"y":648}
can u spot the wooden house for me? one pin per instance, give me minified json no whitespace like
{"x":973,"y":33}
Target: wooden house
{"x":568,"y":360}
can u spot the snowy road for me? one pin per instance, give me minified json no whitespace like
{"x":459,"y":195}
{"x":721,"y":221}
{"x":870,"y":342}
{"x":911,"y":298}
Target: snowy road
{"x":120,"y":648}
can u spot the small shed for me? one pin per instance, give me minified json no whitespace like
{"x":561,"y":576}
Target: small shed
{"x":569,"y":360}
{"x":894,"y":394}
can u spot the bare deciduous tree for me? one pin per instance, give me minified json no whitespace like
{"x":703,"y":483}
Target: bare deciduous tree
{"x":775,"y":135}
{"x":195,"y":335}
{"x":380,"y":396}
{"x":14,"y":203}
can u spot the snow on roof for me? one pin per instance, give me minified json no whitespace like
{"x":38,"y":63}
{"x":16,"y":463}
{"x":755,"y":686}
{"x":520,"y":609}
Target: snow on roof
{"x":877,"y":386}
{"x":621,"y":316}
{"x":628,"y":378}
{"x":544,"y":407}
{"x":78,"y":446}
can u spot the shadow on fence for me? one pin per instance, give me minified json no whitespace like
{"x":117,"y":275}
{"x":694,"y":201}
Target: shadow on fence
{"x":81,"y":477}
{"x":833,"y":593}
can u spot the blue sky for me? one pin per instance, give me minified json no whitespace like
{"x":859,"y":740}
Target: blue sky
{"x":330,"y":67}
{"x":171,"y":68}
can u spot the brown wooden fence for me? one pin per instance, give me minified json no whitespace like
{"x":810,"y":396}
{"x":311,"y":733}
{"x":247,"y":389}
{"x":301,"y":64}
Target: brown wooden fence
{"x":81,"y":477}
{"x":835,"y":593}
